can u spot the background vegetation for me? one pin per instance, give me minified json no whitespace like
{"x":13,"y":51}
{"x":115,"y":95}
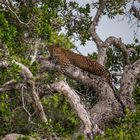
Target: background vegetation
{"x":24,"y":22}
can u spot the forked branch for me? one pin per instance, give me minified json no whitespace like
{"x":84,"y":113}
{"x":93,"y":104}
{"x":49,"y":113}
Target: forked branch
{"x":110,"y":41}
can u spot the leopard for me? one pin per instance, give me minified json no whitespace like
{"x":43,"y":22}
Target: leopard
{"x":65,"y":58}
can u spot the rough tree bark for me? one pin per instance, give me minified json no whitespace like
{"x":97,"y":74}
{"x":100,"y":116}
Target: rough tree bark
{"x":108,"y":106}
{"x":128,"y":81}
{"x":131,"y":72}
{"x":79,"y":108}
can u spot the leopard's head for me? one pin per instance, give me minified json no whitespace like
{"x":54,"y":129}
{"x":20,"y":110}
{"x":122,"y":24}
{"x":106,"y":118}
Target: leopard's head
{"x":54,"y":50}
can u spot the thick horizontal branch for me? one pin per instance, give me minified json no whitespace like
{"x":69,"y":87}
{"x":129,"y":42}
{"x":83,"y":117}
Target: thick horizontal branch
{"x":77,"y":74}
{"x":16,"y":136}
{"x":128,"y":81}
{"x":10,"y":85}
{"x":107,"y":108}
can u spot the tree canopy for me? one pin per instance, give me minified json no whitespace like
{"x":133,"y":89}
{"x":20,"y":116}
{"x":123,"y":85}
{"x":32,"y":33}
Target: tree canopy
{"x":80,"y":105}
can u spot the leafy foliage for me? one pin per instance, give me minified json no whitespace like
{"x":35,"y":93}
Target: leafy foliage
{"x":114,"y":8}
{"x":128,"y":128}
{"x":61,"y":115}
{"x":53,"y":22}
{"x":115,"y":60}
{"x":62,"y":119}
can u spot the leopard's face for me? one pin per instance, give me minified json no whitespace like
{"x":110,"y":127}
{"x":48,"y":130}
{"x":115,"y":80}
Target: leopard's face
{"x":54,"y":51}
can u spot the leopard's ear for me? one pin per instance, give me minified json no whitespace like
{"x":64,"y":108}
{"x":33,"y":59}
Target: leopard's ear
{"x":50,"y":47}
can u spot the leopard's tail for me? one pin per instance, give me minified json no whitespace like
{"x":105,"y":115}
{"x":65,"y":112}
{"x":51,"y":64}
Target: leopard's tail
{"x":115,"y":92}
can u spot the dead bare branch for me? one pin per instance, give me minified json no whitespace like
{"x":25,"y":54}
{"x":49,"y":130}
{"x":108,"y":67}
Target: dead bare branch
{"x":8,"y":5}
{"x":20,"y":21}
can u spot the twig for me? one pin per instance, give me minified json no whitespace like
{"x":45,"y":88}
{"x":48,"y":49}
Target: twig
{"x":31,"y":83}
{"x":20,"y":21}
{"x":9,"y":82}
{"x":23,"y":104}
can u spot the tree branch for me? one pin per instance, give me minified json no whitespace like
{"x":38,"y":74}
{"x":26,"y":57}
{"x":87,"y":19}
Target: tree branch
{"x":128,"y":81}
{"x":31,"y":83}
{"x":94,"y":24}
{"x":80,"y":110}
{"x":3,"y":64}
{"x":117,"y":42}
{"x":99,"y":43}
{"x":104,"y":45}
{"x":15,"y":136}
{"x":136,"y":12}
{"x":108,"y":106}
{"x":8,"y":6}
{"x":10,"y":85}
